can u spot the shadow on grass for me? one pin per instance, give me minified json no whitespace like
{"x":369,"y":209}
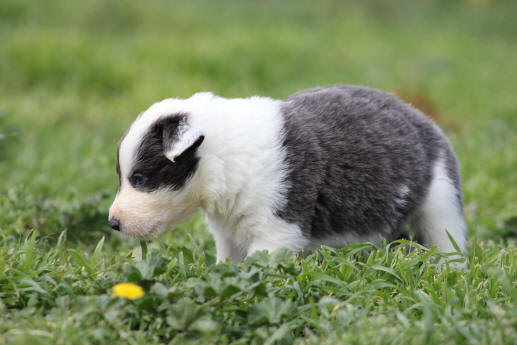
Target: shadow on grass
{"x":84,"y":219}
{"x":86,"y":222}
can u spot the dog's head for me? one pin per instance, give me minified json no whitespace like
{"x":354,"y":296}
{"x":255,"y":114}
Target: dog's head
{"x":157,"y":158}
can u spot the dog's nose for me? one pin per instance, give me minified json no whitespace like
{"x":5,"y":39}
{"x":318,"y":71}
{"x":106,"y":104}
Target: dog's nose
{"x":115,"y":224}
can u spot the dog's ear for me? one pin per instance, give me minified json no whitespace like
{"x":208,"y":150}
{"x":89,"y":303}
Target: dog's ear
{"x":180,"y":136}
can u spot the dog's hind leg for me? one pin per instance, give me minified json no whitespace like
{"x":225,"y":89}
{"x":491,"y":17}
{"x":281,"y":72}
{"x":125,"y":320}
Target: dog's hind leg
{"x":442,"y":209}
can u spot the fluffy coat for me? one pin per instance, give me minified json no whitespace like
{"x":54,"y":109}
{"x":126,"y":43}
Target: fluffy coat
{"x":331,"y":166}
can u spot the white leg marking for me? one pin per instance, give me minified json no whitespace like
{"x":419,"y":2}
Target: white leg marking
{"x":271,"y":233}
{"x":440,"y":213}
{"x":226,"y":248}
{"x":260,"y":244}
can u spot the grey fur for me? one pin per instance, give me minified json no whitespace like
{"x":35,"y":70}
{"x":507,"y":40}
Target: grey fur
{"x":349,"y":152}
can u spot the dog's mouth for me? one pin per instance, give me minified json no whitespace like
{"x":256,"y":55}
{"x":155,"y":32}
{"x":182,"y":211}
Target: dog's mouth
{"x":145,"y":232}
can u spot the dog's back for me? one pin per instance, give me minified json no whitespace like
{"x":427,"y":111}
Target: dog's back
{"x":361,"y":164}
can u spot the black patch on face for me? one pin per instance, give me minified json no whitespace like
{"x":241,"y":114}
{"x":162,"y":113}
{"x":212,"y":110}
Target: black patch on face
{"x":150,"y":160}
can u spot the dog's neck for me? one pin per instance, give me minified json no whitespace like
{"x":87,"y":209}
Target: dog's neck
{"x":241,"y":165}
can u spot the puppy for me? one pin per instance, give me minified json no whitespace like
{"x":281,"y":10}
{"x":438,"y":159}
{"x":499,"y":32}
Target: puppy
{"x":332,"y":166}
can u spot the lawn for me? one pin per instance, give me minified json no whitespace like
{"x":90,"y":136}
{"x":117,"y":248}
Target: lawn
{"x":73,"y":75}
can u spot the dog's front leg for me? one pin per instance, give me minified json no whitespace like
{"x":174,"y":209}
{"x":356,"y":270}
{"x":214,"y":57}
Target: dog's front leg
{"x":259,"y":244}
{"x":227,"y":248}
{"x":275,"y":235}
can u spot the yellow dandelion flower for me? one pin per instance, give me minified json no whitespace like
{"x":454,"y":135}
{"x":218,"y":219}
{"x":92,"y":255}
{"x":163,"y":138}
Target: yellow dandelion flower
{"x":128,"y":290}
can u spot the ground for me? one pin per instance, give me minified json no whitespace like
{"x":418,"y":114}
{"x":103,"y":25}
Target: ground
{"x":75,"y":74}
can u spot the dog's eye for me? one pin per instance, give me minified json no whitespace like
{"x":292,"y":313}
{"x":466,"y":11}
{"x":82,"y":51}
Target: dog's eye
{"x":138,"y":179}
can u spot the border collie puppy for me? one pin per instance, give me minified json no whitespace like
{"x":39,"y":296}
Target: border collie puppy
{"x":332,"y":166}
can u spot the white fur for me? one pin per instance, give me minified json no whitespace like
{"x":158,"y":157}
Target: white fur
{"x":239,"y":180}
{"x":187,"y":136}
{"x":403,"y":191}
{"x":440,"y":213}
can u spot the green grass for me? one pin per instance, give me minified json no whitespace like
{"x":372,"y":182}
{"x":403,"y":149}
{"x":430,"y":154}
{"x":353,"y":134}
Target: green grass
{"x":73,"y":75}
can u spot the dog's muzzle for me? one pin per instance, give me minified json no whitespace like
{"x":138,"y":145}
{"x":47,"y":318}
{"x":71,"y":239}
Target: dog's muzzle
{"x":115,"y":224}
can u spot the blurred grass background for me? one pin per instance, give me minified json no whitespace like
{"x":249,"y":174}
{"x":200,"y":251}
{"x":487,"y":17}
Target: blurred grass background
{"x":73,"y":75}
